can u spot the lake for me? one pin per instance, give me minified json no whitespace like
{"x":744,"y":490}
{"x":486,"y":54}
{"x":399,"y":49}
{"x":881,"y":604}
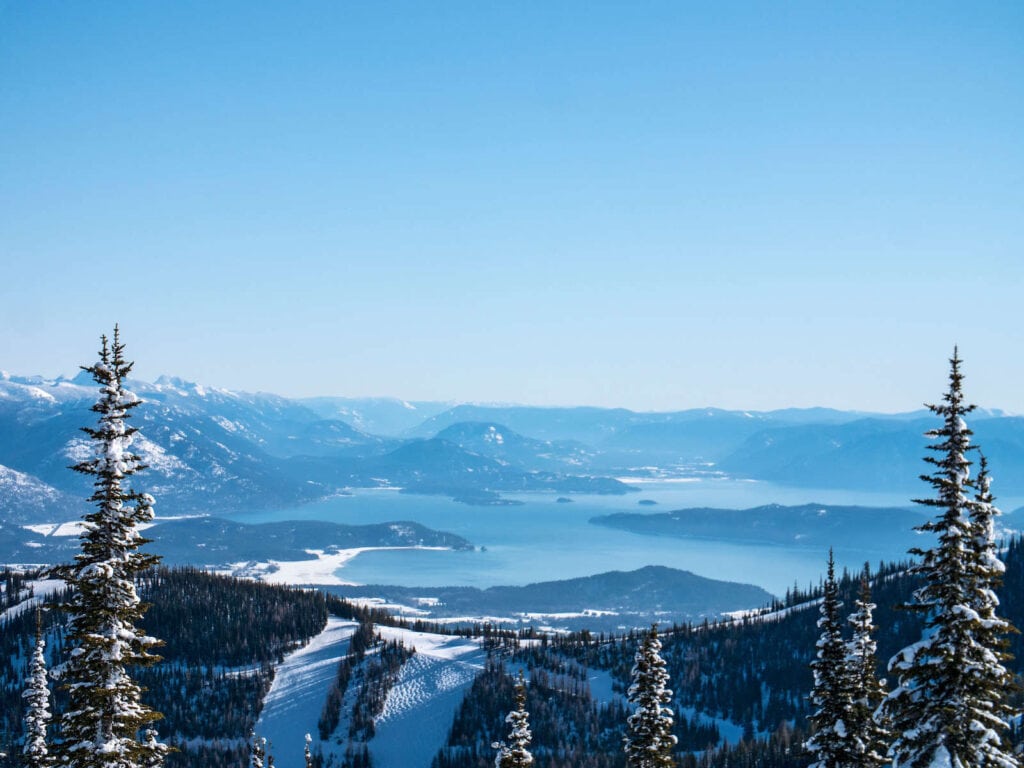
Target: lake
{"x":543,"y":540}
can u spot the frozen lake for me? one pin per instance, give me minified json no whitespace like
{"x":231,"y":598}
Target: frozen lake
{"x":543,"y":540}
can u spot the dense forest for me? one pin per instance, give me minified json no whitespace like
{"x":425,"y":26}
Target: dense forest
{"x":220,"y":636}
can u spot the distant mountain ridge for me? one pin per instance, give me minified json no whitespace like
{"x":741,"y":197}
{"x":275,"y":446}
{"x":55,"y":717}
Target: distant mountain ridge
{"x":214,"y":450}
{"x":605,"y":601}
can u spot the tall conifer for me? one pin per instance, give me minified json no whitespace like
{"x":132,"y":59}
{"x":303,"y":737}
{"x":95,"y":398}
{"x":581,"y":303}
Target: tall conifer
{"x":307,"y":754}
{"x":36,"y":752}
{"x":649,"y":740}
{"x":868,"y":739}
{"x":515,"y":753}
{"x":831,"y":693}
{"x":105,"y":713}
{"x":949,"y":705}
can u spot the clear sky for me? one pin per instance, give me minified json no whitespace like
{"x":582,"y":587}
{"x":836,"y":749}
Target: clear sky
{"x":649,"y":205}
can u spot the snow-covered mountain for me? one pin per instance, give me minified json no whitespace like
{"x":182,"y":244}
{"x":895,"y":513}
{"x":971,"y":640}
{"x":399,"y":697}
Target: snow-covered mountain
{"x":211,"y":450}
{"x":25,"y":499}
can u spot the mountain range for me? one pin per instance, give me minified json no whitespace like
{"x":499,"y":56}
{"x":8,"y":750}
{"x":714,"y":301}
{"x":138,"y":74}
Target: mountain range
{"x":211,"y":450}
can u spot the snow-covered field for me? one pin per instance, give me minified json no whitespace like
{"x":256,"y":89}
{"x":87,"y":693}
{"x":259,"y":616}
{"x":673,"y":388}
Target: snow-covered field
{"x":41,"y":590}
{"x":293,"y":705}
{"x":320,"y":571}
{"x":420,"y":707}
{"x":418,"y":711}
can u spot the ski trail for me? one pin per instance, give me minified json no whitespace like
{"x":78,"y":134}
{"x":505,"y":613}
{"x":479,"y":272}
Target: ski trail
{"x":420,"y":707}
{"x":296,"y":697}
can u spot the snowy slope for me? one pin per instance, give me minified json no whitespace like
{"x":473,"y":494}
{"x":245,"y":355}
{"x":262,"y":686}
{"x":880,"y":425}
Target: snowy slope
{"x":27,"y":499}
{"x":420,"y":707}
{"x":42,"y":589}
{"x":418,"y":711}
{"x":296,"y":697}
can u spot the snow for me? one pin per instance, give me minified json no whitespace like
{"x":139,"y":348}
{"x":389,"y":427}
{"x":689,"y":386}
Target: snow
{"x":156,"y":458}
{"x":297,"y":695}
{"x":69,"y":529}
{"x":941,"y":759}
{"x":419,"y":710}
{"x":43,"y":529}
{"x":76,"y":528}
{"x":731,"y":733}
{"x":78,"y":449}
{"x":319,"y":571}
{"x":417,"y":713}
{"x":226,"y":424}
{"x":602,"y":686}
{"x":39,"y":394}
{"x":585,"y":613}
{"x":41,"y":589}
{"x":380,"y":603}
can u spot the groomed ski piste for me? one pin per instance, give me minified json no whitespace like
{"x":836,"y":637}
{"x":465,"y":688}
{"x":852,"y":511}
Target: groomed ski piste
{"x":418,"y":711}
{"x":292,"y":706}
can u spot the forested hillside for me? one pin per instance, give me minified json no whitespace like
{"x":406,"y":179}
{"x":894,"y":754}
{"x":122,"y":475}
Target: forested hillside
{"x":754,"y":673}
{"x":221,"y":638}
{"x":740,"y":687}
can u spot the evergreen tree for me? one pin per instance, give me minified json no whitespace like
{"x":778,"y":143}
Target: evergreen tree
{"x":649,"y":740}
{"x":949,"y":706}
{"x":257,"y":751}
{"x":36,"y":753}
{"x":154,"y":756}
{"x":831,"y":693}
{"x":992,"y":680}
{"x":988,"y":570}
{"x":105,"y":712}
{"x":516,"y":753}
{"x":867,"y":738}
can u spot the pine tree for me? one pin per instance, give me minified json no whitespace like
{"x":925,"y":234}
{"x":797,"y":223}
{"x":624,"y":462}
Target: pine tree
{"x":992,"y":681}
{"x":154,"y":757}
{"x":105,"y":713}
{"x":516,"y":753}
{"x":867,"y":738}
{"x":831,"y":693}
{"x":649,"y":740}
{"x":259,"y":752}
{"x":36,"y":753}
{"x":306,"y":752}
{"x":949,"y":706}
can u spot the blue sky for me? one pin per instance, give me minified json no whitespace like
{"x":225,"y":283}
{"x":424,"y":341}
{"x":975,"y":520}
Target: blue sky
{"x":650,"y":205}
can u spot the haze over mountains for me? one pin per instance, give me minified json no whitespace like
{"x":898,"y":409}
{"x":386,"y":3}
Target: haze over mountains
{"x":211,"y":450}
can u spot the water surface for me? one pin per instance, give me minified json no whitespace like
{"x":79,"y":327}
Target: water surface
{"x":542,"y":540}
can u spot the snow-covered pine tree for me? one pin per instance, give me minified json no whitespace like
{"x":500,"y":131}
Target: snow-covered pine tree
{"x":36,"y":752}
{"x":831,"y":693}
{"x":992,"y":681}
{"x":516,"y":752}
{"x":259,"y":752}
{"x":154,"y":753}
{"x":988,"y":569}
{"x":100,"y":727}
{"x":306,"y":753}
{"x":649,"y":740}
{"x":868,"y":739}
{"x":948,"y":707}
